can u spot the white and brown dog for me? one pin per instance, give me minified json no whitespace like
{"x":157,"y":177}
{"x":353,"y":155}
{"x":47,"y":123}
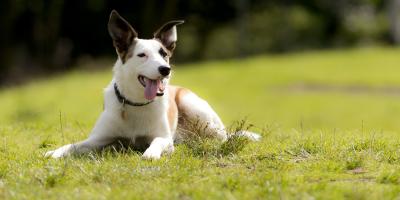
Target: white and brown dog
{"x":139,"y":103}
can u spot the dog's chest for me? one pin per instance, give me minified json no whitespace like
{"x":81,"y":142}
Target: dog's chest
{"x":142,"y":121}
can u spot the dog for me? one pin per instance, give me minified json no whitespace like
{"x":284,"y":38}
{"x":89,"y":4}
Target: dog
{"x":139,"y":103}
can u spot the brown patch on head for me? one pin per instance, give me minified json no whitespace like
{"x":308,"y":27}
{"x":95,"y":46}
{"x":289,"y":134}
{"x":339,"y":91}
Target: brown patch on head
{"x":126,"y":54}
{"x":168,"y":51}
{"x":164,"y":52}
{"x":122,"y":34}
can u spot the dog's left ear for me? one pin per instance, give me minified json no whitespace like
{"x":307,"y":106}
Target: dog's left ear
{"x":167,"y":34}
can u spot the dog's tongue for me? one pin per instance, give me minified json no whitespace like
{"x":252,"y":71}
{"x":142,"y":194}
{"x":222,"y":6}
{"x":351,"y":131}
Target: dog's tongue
{"x":150,"y":92}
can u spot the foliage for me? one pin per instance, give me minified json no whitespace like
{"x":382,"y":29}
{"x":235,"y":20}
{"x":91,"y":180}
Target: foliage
{"x":45,"y":36}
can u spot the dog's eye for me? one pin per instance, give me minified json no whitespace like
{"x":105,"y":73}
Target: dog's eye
{"x":141,"y":55}
{"x":163,"y":53}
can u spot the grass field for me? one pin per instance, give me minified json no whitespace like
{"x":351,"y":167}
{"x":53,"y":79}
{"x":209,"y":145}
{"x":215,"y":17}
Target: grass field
{"x":330,"y":122}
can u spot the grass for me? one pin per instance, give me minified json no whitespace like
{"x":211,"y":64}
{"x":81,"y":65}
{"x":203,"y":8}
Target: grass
{"x":329,"y":120}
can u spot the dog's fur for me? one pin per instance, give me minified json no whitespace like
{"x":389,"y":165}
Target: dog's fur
{"x":157,"y":121}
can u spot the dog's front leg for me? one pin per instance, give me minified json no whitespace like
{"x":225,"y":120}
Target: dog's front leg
{"x":77,"y":148}
{"x":157,"y":147}
{"x":102,"y":134}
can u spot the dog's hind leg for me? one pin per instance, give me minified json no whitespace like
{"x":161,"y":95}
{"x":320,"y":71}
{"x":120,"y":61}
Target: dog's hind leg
{"x":194,"y":109}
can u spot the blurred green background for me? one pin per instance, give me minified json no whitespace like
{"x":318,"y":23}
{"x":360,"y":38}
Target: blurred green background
{"x":45,"y":36}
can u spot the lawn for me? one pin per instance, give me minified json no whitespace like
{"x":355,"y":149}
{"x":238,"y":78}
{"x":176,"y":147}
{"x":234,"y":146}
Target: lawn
{"x":330,"y":122}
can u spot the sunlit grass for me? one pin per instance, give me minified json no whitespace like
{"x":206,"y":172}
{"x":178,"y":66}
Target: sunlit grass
{"x":324,"y":143}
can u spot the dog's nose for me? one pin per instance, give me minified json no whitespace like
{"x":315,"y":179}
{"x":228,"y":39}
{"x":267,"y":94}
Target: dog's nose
{"x":164,"y":70}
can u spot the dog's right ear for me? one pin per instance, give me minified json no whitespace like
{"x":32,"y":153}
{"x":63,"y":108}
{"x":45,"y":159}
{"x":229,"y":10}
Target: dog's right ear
{"x":121,"y":32}
{"x":167,"y":34}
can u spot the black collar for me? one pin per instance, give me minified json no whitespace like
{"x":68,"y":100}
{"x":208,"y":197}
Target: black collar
{"x":124,"y":101}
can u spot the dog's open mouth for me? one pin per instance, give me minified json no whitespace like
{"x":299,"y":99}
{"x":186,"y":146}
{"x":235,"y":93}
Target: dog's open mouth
{"x":152,"y":88}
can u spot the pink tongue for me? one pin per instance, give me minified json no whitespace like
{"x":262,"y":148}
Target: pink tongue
{"x":150,"y":92}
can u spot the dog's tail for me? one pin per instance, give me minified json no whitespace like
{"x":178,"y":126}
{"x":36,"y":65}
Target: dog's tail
{"x":249,"y":135}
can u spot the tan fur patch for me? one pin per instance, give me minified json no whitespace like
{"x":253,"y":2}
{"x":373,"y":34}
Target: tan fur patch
{"x":180,"y":92}
{"x":175,"y":111}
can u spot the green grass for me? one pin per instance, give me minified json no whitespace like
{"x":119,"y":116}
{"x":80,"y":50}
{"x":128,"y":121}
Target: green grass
{"x":330,"y":122}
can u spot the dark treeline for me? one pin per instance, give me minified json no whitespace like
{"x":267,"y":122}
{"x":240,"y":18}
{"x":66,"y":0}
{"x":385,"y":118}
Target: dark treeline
{"x":42,"y":36}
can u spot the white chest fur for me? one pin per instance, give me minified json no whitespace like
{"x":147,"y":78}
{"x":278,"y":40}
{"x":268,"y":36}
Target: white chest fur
{"x":148,"y":120}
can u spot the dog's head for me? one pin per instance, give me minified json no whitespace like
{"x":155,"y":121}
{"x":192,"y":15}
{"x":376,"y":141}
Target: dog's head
{"x":144,"y":63}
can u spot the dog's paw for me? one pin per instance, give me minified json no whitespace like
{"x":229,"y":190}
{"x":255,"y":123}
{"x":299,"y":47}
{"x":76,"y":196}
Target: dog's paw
{"x":53,"y":154}
{"x":151,"y":154}
{"x":255,"y":137}
{"x":48,"y":154}
{"x":58,"y":153}
{"x":250,"y":135}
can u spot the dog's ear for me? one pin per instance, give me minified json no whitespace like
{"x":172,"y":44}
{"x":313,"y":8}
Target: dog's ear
{"x":167,"y":34}
{"x":121,"y":32}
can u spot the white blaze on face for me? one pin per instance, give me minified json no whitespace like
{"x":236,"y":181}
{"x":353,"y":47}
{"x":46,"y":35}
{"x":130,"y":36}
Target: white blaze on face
{"x":147,"y":66}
